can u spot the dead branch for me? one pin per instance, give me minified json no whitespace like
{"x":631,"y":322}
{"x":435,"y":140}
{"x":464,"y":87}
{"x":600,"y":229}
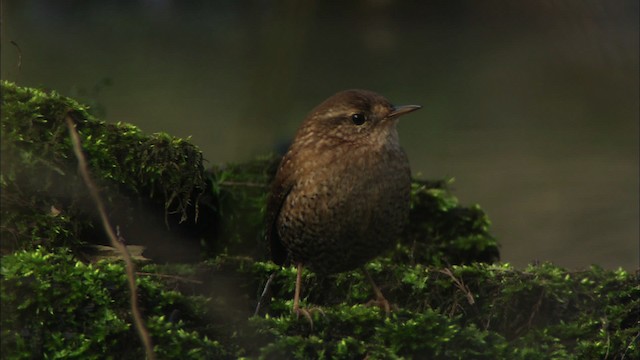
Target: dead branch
{"x":460,"y":285}
{"x":129,"y":265}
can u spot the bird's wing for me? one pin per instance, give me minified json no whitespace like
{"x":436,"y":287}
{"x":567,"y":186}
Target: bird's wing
{"x":280,"y":188}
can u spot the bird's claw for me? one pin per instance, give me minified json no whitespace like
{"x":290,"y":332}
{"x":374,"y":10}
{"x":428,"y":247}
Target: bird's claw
{"x":382,"y":303}
{"x":307,"y":313}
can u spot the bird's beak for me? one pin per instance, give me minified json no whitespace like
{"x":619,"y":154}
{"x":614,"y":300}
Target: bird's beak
{"x":404,"y":109}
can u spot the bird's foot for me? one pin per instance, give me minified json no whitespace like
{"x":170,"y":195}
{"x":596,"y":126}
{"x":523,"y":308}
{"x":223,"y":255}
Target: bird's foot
{"x":307,"y":313}
{"x":382,"y":303}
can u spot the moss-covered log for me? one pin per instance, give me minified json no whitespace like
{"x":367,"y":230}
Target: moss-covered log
{"x":203,"y":235}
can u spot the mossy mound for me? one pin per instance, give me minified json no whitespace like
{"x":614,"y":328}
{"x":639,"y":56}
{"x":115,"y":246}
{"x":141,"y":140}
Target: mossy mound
{"x":54,"y":304}
{"x":150,"y":182}
{"x":203,"y":233}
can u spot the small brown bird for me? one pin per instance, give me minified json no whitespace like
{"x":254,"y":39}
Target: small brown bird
{"x":341,"y":193}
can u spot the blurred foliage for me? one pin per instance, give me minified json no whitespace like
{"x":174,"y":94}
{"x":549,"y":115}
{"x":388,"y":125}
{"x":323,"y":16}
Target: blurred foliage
{"x":90,"y":95}
{"x":450,"y":298}
{"x":241,"y":191}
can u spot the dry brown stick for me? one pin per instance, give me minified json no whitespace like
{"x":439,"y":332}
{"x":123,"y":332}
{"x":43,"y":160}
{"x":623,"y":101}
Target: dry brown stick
{"x":264,"y":293}
{"x":460,"y":285}
{"x":130,"y":267}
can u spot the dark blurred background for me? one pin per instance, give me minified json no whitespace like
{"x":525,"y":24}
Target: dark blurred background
{"x":532,"y":106}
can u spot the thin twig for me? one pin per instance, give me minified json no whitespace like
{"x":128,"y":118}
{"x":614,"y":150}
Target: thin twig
{"x":535,"y":309}
{"x":460,"y":285}
{"x":175,"y":277}
{"x":264,"y":293}
{"x":19,"y":54}
{"x":130,"y":267}
{"x":633,"y":341}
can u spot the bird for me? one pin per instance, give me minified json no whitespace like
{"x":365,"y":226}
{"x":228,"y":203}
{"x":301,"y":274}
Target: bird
{"x":341,"y":193}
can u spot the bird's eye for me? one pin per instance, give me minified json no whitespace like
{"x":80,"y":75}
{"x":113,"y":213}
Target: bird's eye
{"x":358,"y":118}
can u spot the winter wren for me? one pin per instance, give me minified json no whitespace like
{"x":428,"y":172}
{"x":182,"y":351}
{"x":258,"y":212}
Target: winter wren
{"x":340,"y":196}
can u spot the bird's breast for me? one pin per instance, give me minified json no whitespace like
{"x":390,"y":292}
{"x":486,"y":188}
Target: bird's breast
{"x":353,"y":205}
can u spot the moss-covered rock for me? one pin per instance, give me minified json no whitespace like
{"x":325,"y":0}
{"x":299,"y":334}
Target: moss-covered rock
{"x":450,"y":297}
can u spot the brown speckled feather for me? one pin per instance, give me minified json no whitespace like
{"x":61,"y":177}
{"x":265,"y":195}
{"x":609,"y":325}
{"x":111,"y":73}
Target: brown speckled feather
{"x":280,"y":188}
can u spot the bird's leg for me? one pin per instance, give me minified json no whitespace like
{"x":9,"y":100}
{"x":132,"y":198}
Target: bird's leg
{"x":380,"y":300}
{"x":296,"y":298}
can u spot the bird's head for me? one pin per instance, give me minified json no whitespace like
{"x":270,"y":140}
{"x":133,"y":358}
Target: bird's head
{"x":354,"y":116}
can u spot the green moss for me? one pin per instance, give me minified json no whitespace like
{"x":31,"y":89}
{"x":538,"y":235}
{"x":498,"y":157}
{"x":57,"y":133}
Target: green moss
{"x":443,"y":232}
{"x":54,"y":304}
{"x":469,"y":311}
{"x":242,"y":192}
